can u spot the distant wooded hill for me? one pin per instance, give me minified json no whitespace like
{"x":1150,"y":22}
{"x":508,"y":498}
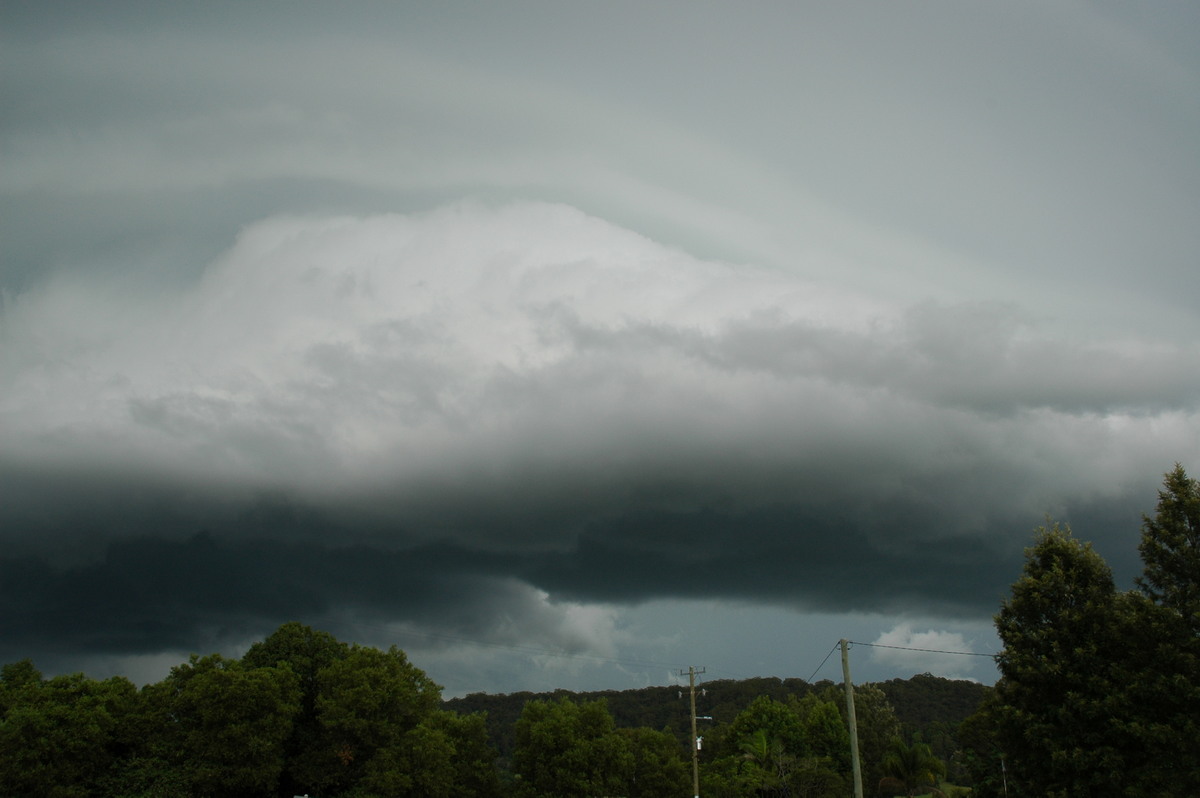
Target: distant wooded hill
{"x":925,"y":704}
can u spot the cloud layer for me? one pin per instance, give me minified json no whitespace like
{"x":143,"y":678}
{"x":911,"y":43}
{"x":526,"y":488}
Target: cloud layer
{"x":425,"y":418}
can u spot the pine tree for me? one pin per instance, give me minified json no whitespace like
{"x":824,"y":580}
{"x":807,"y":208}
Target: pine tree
{"x":1170,"y":549}
{"x":1161,"y":683}
{"x":1056,"y":694}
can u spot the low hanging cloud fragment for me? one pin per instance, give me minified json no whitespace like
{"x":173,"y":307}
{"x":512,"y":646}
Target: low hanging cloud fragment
{"x":932,"y":650}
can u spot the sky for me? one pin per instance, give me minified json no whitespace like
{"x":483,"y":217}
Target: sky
{"x":571,"y":345}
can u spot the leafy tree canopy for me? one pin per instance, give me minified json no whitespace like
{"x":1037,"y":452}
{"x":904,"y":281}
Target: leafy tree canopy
{"x":564,"y":748}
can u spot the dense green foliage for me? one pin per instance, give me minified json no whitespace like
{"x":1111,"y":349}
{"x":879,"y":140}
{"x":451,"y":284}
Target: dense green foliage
{"x":300,"y":713}
{"x":928,"y":709}
{"x":800,"y":746}
{"x":1100,"y":689}
{"x":59,"y":736}
{"x":910,"y":769}
{"x":925,"y":701}
{"x":568,"y":748}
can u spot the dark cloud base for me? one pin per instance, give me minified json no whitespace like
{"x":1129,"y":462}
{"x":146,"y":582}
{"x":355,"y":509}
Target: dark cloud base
{"x":785,"y":554}
{"x":149,"y":594}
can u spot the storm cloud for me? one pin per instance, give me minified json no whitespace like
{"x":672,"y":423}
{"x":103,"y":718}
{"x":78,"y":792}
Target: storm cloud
{"x":502,"y":341}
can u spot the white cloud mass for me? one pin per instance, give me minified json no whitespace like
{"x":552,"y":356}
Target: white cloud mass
{"x":906,"y":649}
{"x":336,"y":356}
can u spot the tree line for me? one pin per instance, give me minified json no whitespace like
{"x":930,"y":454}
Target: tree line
{"x":299,"y":713}
{"x":923,"y":708}
{"x":1099,"y":695}
{"x":302,"y":713}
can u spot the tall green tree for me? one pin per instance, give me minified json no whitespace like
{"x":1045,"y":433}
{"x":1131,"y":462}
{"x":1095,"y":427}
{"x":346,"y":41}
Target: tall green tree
{"x":1100,"y":690}
{"x":1056,"y":693}
{"x":1170,"y":549}
{"x":305,"y":652}
{"x":1161,"y":674}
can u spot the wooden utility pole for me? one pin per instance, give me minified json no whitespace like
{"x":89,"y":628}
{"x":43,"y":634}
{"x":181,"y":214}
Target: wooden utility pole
{"x":851,"y":719}
{"x":692,"y":671}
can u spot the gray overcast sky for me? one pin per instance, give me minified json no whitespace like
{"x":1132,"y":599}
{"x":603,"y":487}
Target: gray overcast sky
{"x":565,"y":345}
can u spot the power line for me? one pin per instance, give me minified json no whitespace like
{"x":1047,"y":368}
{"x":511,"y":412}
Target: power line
{"x":822,"y":665}
{"x":926,"y":650}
